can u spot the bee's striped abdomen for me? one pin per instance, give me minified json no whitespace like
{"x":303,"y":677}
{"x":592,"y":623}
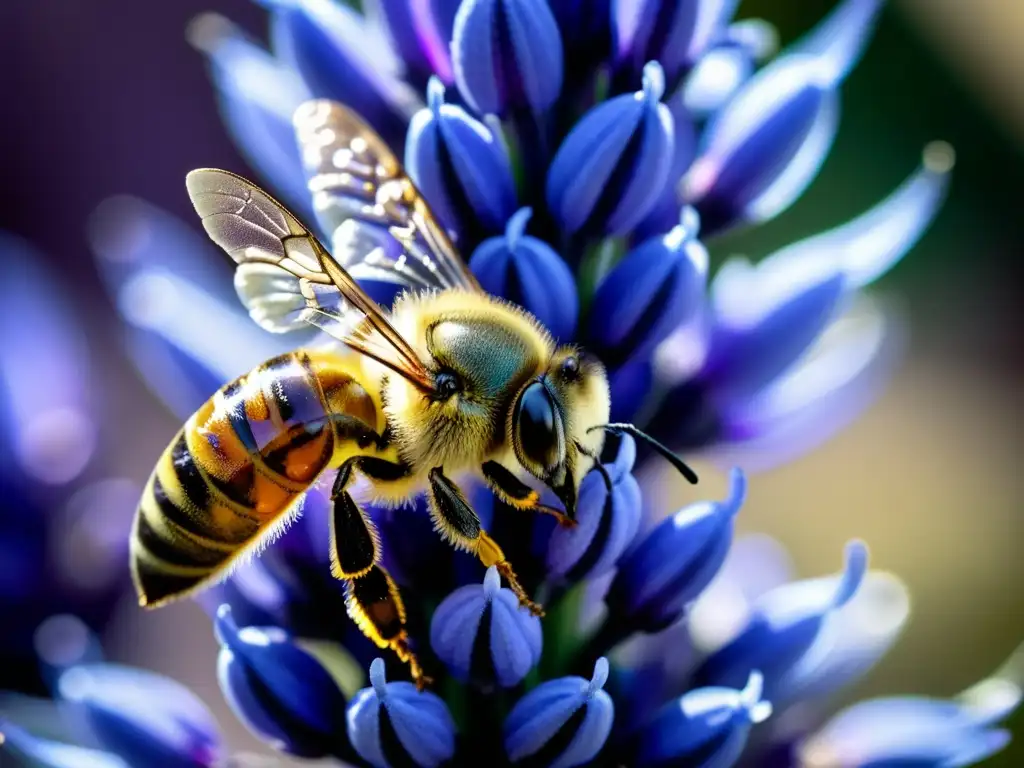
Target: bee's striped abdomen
{"x":240,"y":463}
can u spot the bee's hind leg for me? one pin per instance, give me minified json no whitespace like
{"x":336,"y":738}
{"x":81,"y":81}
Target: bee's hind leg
{"x":460,"y":525}
{"x":371,"y":596}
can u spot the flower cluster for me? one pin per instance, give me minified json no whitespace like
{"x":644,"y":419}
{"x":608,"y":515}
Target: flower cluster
{"x":581,"y":154}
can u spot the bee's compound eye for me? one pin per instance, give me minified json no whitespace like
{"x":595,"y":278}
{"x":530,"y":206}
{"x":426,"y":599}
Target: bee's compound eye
{"x":446,"y":384}
{"x":538,"y":430}
{"x":571,"y":367}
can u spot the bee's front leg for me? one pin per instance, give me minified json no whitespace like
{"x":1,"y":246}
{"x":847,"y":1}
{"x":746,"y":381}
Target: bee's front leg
{"x":460,"y":525}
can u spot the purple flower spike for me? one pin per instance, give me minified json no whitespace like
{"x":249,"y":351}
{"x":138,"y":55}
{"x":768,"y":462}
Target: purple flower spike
{"x":420,"y":31}
{"x":480,"y":631}
{"x":279,"y":690}
{"x":507,"y":55}
{"x":342,"y":58}
{"x":706,"y":727}
{"x":671,"y":566}
{"x":785,"y":625}
{"x":527,"y":270}
{"x":657,"y":286}
{"x":674,"y":33}
{"x":143,"y":717}
{"x":394,"y":724}
{"x":257,"y":96}
{"x":561,"y":723}
{"x":461,"y":167}
{"x":607,"y":522}
{"x":614,"y":164}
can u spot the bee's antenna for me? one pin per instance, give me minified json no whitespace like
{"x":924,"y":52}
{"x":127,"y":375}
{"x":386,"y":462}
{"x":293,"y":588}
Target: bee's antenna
{"x":672,"y":458}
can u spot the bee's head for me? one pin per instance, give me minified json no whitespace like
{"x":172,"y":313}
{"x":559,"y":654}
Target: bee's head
{"x":552,"y":420}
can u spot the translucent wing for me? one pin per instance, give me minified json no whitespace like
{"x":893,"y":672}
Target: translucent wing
{"x":381,"y":228}
{"x":285,"y":277}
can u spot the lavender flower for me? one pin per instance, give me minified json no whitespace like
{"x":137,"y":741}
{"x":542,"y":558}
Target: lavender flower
{"x":620,"y":181}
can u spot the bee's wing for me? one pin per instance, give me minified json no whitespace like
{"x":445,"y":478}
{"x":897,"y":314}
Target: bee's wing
{"x":286,"y":278}
{"x":380,"y":225}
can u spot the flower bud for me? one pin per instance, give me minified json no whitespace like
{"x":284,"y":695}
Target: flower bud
{"x":419,"y":32}
{"x":342,"y":58}
{"x":394,"y":724}
{"x":507,"y":55}
{"x":563,"y":722}
{"x":675,"y":33}
{"x":705,"y":727}
{"x":480,"y":631}
{"x":655,"y":288}
{"x":767,"y":144}
{"x":460,"y":166}
{"x":143,"y":717}
{"x":673,"y":564}
{"x":280,"y":691}
{"x":786,"y":623}
{"x":611,"y":168}
{"x":527,"y":271}
{"x":607,"y":520}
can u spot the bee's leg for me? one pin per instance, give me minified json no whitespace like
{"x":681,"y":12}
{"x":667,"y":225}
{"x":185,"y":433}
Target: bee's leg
{"x":518,"y":494}
{"x":371,"y":596}
{"x":460,"y":525}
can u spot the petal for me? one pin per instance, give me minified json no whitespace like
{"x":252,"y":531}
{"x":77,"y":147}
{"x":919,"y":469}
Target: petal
{"x":763,"y":149}
{"x":507,"y":54}
{"x":34,"y":752}
{"x":836,"y":380}
{"x":912,"y":729}
{"x":868,"y":246}
{"x":840,"y":38}
{"x":755,"y":564}
{"x":527,"y":271}
{"x":340,"y":57}
{"x":763,"y":320}
{"x":144,"y":717}
{"x":655,"y":287}
{"x":419,"y":31}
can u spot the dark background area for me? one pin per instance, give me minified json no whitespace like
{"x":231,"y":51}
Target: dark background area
{"x":106,"y":97}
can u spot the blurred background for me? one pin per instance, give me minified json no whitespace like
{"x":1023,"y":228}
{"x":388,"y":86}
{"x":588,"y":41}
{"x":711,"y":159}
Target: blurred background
{"x":107,"y":98}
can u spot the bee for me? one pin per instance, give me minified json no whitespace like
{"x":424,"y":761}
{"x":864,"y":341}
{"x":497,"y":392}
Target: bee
{"x":451,"y":382}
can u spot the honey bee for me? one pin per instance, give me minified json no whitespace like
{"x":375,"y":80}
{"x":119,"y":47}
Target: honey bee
{"x":451,"y":382}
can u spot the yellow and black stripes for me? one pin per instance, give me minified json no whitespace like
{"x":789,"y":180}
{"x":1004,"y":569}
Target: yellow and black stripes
{"x":240,"y":464}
